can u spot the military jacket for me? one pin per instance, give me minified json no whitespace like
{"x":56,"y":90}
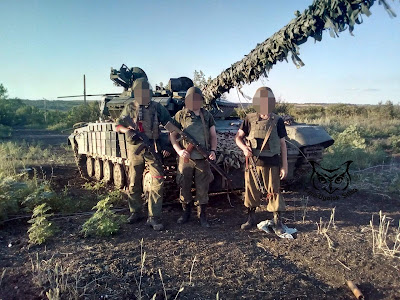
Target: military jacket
{"x":259,"y":129}
{"x":148,"y":118}
{"x":193,"y":125}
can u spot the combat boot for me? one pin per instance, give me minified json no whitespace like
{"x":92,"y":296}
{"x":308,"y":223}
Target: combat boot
{"x":187,"y":211}
{"x":278,"y":227}
{"x":251,"y":219}
{"x":201,"y":212}
{"x":135,"y":217}
{"x":155,"y":223}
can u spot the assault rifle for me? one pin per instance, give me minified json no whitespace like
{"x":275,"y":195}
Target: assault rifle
{"x":191,"y":141}
{"x":143,"y":137}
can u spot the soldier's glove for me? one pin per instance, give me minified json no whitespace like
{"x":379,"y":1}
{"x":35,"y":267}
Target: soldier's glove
{"x":132,"y":136}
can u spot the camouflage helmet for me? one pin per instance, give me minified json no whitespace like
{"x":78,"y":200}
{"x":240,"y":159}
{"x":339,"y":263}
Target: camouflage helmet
{"x":194,"y":98}
{"x":264,"y":101}
{"x":138,"y":73}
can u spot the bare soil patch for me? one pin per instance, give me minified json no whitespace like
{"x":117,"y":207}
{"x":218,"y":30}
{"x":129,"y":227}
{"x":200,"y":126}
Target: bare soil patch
{"x":223,"y":260}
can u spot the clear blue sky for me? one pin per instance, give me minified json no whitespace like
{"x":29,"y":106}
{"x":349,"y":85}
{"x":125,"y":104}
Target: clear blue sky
{"x":47,"y":46}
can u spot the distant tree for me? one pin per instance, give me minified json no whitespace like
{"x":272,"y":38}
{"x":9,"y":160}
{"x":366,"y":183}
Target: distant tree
{"x":199,"y":79}
{"x":3,"y":92}
{"x":83,"y":113}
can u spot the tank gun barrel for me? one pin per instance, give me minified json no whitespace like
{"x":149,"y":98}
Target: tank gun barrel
{"x":93,"y":95}
{"x":322,"y":14}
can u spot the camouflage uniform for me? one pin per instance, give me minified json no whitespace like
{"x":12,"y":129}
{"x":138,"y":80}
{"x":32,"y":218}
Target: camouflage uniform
{"x":265,"y":133}
{"x":268,"y":166}
{"x":153,"y":115}
{"x":197,"y":169}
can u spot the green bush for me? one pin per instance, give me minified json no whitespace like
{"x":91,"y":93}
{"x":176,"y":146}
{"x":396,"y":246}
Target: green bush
{"x":41,"y":229}
{"x":43,"y":193}
{"x":350,"y":145}
{"x":310,"y":112}
{"x":283,"y":108}
{"x":104,"y":221}
{"x":351,"y":137}
{"x":5,"y":131}
{"x":83,"y":113}
{"x":241,"y":113}
{"x":394,"y":142}
{"x":13,"y":191}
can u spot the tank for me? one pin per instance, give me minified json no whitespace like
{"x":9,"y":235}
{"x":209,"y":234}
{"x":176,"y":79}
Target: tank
{"x":101,"y":152}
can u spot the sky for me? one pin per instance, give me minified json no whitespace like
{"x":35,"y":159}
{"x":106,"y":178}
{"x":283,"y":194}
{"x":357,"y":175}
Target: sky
{"x":46,"y":47}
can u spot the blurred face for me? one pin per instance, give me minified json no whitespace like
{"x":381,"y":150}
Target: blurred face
{"x":193,"y":101}
{"x":264,"y":101}
{"x":142,"y":95}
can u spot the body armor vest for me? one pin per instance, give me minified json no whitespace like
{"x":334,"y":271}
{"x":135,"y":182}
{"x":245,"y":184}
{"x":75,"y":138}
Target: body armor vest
{"x":194,"y":127}
{"x":146,"y":119}
{"x":258,"y":130}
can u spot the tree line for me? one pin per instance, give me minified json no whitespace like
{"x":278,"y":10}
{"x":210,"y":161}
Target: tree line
{"x":17,"y":113}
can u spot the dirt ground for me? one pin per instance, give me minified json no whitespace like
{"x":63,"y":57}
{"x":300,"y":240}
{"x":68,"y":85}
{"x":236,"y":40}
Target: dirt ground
{"x":222,"y":262}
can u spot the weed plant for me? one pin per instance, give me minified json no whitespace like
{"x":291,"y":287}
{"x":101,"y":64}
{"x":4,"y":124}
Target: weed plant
{"x":104,"y":221}
{"x":41,"y":229}
{"x":20,"y":192}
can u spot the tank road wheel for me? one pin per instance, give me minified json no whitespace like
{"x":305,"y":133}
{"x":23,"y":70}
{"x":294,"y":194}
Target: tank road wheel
{"x":98,"y":169}
{"x":146,"y":184}
{"x":107,"y":171}
{"x":90,"y":166}
{"x":119,"y":176}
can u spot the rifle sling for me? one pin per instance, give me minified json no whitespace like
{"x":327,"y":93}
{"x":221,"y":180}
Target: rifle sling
{"x":206,"y":137}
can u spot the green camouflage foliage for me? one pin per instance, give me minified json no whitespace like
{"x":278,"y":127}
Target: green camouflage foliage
{"x":333,"y":15}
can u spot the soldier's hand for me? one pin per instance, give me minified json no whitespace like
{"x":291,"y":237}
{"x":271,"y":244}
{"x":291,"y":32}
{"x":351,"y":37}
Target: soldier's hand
{"x":283,"y":173}
{"x":247,"y":151}
{"x":184,"y":154}
{"x":132,"y":136}
{"x":212,"y":155}
{"x":165,"y":153}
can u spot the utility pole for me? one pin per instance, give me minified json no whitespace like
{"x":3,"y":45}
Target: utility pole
{"x":45,"y":110}
{"x":84,"y":88}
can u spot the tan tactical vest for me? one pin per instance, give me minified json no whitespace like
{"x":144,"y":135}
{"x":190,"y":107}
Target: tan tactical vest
{"x":258,"y":130}
{"x":194,"y":127}
{"x":149,"y":120}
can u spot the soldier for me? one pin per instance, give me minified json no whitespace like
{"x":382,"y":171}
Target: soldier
{"x":192,"y":166}
{"x":147,"y":115}
{"x":270,"y":154}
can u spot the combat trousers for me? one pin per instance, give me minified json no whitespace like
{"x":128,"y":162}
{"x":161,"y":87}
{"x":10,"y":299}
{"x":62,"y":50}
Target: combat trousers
{"x":197,"y":170}
{"x":269,"y":175}
{"x":136,"y":169}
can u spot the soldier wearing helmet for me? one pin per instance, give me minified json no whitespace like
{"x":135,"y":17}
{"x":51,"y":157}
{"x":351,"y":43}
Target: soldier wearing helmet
{"x":265,"y":134}
{"x":147,"y":117}
{"x":192,"y":167}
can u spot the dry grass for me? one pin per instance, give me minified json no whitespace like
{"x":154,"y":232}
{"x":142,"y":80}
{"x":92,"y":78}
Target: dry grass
{"x":323,"y":228}
{"x":381,"y":237}
{"x":140,"y":292}
{"x":2,"y":276}
{"x":54,"y":279}
{"x":304,"y":204}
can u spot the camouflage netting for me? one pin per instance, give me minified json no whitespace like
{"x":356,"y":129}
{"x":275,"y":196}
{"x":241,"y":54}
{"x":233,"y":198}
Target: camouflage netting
{"x":334,"y":15}
{"x":229,"y":154}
